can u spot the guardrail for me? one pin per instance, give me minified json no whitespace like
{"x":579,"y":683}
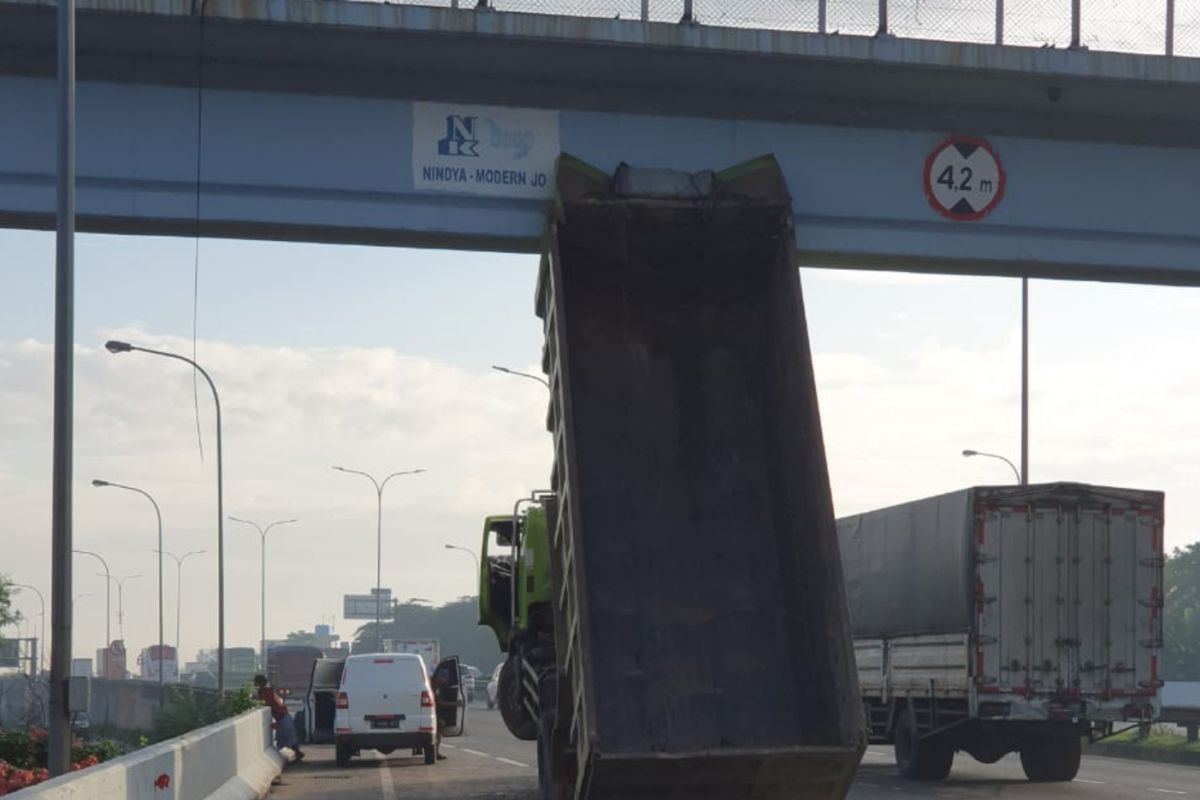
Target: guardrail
{"x":230,"y":760}
{"x":1154,"y":27}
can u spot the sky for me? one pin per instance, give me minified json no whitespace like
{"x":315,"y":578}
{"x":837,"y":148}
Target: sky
{"x":380,"y":359}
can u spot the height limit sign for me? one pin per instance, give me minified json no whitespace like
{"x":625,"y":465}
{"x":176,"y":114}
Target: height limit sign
{"x":964,"y":180}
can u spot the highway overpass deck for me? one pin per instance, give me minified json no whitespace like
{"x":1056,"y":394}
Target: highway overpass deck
{"x":311,"y":120}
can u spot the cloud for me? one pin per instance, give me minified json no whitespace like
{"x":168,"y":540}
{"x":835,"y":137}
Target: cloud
{"x":288,"y":415}
{"x":894,"y":431}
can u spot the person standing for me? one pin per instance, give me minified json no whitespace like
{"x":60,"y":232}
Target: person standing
{"x":285,"y":728}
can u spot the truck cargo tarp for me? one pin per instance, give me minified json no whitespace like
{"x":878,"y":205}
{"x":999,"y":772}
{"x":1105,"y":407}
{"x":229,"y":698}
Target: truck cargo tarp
{"x":908,"y":567}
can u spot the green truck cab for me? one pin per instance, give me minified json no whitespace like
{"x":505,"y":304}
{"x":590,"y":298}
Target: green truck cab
{"x":515,"y":598}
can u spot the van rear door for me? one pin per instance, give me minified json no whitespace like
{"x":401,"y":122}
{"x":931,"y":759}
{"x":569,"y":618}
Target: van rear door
{"x":384,"y":693}
{"x":451,"y":699}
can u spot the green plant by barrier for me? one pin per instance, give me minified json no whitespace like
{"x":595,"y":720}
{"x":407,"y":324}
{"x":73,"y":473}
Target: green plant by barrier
{"x":1158,"y":738}
{"x":186,"y":710}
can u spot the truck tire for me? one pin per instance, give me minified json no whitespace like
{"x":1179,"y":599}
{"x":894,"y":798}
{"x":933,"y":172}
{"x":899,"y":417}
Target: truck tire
{"x":1047,"y":759}
{"x":342,"y":754}
{"x":512,"y":708}
{"x":920,"y":759}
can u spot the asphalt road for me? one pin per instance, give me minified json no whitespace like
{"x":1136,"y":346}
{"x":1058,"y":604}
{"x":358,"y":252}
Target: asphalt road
{"x":489,"y":763}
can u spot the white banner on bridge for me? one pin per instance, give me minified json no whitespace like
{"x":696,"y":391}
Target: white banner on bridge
{"x":484,"y":150}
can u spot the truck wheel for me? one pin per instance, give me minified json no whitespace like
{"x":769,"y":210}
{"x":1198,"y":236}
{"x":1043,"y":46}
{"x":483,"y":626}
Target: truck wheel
{"x":430,"y":754}
{"x":512,"y":708}
{"x":342,"y":754}
{"x":1048,"y":759}
{"x":920,"y":759}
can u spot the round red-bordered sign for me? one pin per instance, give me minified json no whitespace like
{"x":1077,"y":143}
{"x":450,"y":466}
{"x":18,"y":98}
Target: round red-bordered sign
{"x":964,"y":180}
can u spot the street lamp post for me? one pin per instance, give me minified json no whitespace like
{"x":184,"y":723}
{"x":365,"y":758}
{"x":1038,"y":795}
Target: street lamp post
{"x":970,"y":453}
{"x":179,"y":590}
{"x":107,"y":595}
{"x":379,"y":544}
{"x":469,"y":552}
{"x":158,"y":515}
{"x":262,"y":532}
{"x":120,"y":582}
{"x":42,"y":615}
{"x":508,"y":371}
{"x":124,"y":347}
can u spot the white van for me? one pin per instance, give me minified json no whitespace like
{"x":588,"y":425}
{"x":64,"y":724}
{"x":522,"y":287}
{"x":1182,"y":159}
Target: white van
{"x":385,"y":703}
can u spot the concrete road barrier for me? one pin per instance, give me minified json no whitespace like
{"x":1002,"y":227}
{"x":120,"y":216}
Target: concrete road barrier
{"x":230,"y":760}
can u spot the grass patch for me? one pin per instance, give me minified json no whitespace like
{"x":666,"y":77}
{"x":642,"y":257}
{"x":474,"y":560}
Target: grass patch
{"x":1159,"y":738}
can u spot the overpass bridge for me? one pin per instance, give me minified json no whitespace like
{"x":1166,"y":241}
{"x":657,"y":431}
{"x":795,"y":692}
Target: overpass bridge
{"x":326,"y":120}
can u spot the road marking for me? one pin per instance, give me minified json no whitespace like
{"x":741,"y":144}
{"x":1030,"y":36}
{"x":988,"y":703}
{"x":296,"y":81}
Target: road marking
{"x":1165,"y":791}
{"x":475,"y":752}
{"x":510,"y":762}
{"x":386,"y":788}
{"x":1085,"y":780}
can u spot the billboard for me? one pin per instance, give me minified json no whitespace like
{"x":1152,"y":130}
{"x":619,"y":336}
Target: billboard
{"x":363,"y":606}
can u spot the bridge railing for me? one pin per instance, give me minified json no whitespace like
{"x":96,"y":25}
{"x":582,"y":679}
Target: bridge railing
{"x":1156,"y":27}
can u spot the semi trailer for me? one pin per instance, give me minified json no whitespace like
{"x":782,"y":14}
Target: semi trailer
{"x":687,"y":545}
{"x":1006,"y":619}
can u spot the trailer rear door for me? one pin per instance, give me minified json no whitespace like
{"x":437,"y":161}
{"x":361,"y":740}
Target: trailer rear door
{"x":1068,"y":591}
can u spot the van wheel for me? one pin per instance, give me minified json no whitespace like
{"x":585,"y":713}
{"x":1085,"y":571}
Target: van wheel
{"x":342,"y":754}
{"x":1048,"y":759}
{"x":920,"y":759}
{"x":430,"y":754}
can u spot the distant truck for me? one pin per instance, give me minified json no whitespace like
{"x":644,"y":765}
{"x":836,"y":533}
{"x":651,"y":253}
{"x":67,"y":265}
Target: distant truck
{"x":430,"y":650}
{"x":81,"y":668}
{"x":1002,"y":619}
{"x":289,"y":668}
{"x":148,"y":663}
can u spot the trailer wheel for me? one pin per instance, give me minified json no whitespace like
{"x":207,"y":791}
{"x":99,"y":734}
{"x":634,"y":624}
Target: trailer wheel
{"x":1048,"y":759}
{"x":920,"y":759}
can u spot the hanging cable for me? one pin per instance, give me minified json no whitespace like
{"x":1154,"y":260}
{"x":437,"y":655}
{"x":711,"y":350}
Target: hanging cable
{"x":196,"y":225}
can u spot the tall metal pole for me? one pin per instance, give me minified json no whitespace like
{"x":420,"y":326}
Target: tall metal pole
{"x":42,"y":636}
{"x":1076,"y":24}
{"x":883,"y":18}
{"x":158,"y":516}
{"x":262,"y":532}
{"x":107,"y":594}
{"x":125,"y":347}
{"x":179,"y":593}
{"x":1024,"y":379}
{"x":999,"y":21}
{"x":822,"y":16}
{"x":59,"y":735}
{"x":1170,"y":46}
{"x":379,"y":486}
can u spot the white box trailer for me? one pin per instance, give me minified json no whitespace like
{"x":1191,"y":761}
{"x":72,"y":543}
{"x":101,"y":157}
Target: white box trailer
{"x":430,"y":650}
{"x":1001,"y":619}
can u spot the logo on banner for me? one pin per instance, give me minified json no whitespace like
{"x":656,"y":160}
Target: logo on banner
{"x":486,"y":150}
{"x":460,"y":137}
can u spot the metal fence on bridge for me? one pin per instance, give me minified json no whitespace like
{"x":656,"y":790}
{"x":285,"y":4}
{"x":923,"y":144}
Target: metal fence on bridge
{"x":1156,"y":27}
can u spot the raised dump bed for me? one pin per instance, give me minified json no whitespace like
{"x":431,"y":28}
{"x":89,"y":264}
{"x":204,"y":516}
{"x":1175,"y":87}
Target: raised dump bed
{"x":702,"y":635}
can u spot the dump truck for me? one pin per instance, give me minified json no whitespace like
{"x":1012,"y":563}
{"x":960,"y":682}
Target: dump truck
{"x":688,"y":537}
{"x":1006,"y":619}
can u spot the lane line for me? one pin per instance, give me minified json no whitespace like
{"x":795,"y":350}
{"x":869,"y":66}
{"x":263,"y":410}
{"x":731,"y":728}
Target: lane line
{"x":475,"y":752}
{"x":512,"y":763}
{"x":387,"y":789}
{"x":1085,"y":780}
{"x":1165,"y":791}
